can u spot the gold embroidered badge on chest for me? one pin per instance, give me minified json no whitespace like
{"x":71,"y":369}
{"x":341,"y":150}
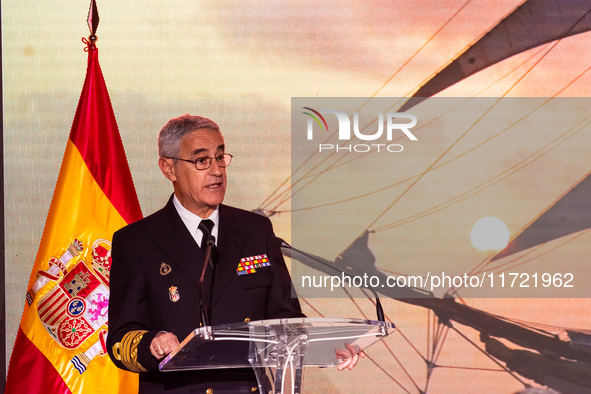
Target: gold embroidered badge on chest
{"x":165,"y":269}
{"x":173,"y":294}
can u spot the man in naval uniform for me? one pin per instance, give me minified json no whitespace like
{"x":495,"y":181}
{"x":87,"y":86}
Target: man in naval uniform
{"x":157,"y":263}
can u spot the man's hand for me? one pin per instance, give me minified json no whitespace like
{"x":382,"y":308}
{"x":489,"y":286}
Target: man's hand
{"x":350,"y":355}
{"x":163,"y":344}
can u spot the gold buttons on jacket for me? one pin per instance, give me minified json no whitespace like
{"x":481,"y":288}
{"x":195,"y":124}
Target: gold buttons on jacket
{"x":209,"y":391}
{"x":246,"y":321}
{"x":253,"y":389}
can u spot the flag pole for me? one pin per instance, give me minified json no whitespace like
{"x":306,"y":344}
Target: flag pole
{"x":2,"y":233}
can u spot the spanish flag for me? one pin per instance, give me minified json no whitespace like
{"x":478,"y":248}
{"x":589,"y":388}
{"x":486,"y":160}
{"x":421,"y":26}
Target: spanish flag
{"x":61,"y":342}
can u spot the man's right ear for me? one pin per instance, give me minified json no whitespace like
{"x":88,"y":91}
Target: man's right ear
{"x":168,"y":169}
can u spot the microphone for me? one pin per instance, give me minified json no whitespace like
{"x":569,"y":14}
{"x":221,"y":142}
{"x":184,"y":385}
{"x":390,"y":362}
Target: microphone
{"x":202,"y":310}
{"x":282,"y":244}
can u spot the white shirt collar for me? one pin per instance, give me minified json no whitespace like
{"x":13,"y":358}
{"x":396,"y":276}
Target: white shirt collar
{"x":192,"y":221}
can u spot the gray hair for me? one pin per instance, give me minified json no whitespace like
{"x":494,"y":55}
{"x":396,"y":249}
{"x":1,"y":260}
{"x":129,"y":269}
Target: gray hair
{"x":169,"y":138}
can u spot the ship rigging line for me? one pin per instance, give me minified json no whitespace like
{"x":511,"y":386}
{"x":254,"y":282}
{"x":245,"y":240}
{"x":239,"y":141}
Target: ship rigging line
{"x":383,"y":342}
{"x":399,"y":331}
{"x":476,"y":271}
{"x":266,"y":201}
{"x":288,"y":189}
{"x":311,"y":306}
{"x":583,"y":232}
{"x":429,"y":361}
{"x":554,"y":44}
{"x":471,"y":368}
{"x":488,"y":355}
{"x":429,"y":312}
{"x":363,"y":155}
{"x":490,"y":182}
{"x":484,"y":186}
{"x":419,"y":50}
{"x":543,"y":328}
{"x":438,"y":352}
{"x":366,"y":355}
{"x":478,"y":268}
{"x":434,"y":345}
{"x":437,"y":348}
{"x":335,"y":165}
{"x":483,"y":263}
{"x":386,"y":372}
{"x":487,"y":260}
{"x":466,"y":132}
{"x":461,"y":51}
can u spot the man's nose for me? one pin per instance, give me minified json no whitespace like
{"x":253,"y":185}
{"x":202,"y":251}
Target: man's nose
{"x":215,"y":168}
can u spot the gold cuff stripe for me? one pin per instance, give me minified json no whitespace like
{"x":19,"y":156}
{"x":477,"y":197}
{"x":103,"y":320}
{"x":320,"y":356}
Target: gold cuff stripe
{"x":126,"y":351}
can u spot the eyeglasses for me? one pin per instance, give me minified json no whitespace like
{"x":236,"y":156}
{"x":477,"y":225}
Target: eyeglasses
{"x":203,"y":163}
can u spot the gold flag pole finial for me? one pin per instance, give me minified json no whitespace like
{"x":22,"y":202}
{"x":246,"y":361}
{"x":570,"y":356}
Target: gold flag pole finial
{"x":93,"y":21}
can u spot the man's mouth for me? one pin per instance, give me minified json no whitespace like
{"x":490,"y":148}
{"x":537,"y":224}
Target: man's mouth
{"x":214,"y":185}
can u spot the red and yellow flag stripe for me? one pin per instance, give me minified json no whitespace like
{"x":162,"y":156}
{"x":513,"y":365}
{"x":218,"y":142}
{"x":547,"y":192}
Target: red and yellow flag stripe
{"x":94,"y":197}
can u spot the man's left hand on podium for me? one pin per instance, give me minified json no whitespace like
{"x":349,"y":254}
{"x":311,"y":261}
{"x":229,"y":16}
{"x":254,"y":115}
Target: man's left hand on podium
{"x":350,"y":355}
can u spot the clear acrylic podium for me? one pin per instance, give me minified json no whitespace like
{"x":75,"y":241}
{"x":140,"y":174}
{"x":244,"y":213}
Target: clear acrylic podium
{"x":272,"y":347}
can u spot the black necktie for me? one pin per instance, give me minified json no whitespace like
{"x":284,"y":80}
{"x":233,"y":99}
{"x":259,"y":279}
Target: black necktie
{"x":205,"y":226}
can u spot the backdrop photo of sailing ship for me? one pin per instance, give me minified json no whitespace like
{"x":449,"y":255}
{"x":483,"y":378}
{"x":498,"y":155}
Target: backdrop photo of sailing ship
{"x":455,"y":167}
{"x":450,"y":254}
{"x":240,"y":63}
{"x":497,"y":139}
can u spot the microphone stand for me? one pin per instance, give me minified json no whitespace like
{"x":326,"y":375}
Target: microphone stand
{"x":204,"y":317}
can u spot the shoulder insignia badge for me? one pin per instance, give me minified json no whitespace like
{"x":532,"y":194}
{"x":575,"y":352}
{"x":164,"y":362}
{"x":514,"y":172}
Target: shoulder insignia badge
{"x":248,"y":265}
{"x":173,"y":293}
{"x":165,"y":269}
